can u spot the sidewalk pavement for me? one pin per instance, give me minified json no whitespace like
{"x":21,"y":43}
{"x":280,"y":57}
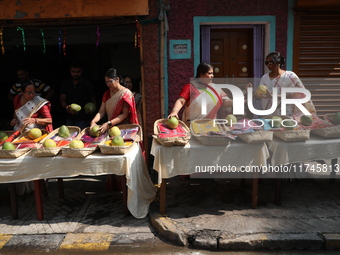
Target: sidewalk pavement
{"x":209,"y":214}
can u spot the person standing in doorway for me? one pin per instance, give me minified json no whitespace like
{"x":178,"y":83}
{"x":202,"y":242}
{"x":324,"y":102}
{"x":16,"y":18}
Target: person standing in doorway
{"x":77,"y":90}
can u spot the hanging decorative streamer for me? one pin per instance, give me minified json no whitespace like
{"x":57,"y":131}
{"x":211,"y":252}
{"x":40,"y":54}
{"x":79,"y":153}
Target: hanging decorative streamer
{"x":137,"y":35}
{"x":43,"y":41}
{"x":64,"y":43}
{"x":2,"y":41}
{"x":23,"y":37}
{"x":59,"y":42}
{"x":98,"y":37}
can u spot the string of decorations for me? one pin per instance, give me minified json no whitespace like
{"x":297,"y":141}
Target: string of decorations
{"x":59,"y":41}
{"x":98,"y":37}
{"x":43,"y":41}
{"x":64,"y":43}
{"x":137,"y":35}
{"x":2,"y":41}
{"x":23,"y":37}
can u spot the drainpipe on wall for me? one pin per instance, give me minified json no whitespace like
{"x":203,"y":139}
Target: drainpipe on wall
{"x":165,"y":6}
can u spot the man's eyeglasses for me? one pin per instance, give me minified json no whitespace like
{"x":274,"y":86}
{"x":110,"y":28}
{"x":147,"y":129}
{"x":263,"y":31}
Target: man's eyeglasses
{"x":30,"y":93}
{"x":269,"y":62}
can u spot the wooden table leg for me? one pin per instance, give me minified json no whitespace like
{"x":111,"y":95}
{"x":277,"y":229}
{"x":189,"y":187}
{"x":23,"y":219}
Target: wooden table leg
{"x":124,"y":193}
{"x":162,"y":196}
{"x":38,"y":199}
{"x":254,"y":192}
{"x":278,"y":191}
{"x":61,"y":187}
{"x":14,"y":202}
{"x":333,"y":173}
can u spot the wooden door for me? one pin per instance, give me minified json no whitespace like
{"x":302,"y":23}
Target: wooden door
{"x":231,"y":52}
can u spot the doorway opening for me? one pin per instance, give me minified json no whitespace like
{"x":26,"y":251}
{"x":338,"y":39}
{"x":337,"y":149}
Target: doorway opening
{"x":96,"y":47}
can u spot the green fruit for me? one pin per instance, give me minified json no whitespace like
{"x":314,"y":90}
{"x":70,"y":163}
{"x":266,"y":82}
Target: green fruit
{"x":49,"y":143}
{"x":336,"y":117}
{"x":306,"y":120}
{"x":95,"y":131}
{"x":114,"y":131}
{"x":76,"y":144}
{"x":261,"y":90}
{"x":3,"y":136}
{"x":117,"y":141}
{"x":288,"y":124}
{"x":34,"y":133}
{"x":64,"y":131}
{"x":275,"y":121}
{"x":231,"y":119}
{"x":8,"y":146}
{"x":172,"y":123}
{"x":75,"y":107}
{"x":89,"y":108}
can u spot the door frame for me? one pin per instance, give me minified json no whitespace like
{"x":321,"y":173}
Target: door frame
{"x":268,"y":21}
{"x":258,"y":57}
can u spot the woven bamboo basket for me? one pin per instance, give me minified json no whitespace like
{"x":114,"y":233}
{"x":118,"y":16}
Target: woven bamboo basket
{"x":329,"y":117}
{"x":121,"y":150}
{"x":13,"y":153}
{"x":211,"y":139}
{"x":327,"y":132}
{"x":171,"y":141}
{"x":51,"y":151}
{"x":79,"y":152}
{"x":259,"y":136}
{"x":293,"y":135}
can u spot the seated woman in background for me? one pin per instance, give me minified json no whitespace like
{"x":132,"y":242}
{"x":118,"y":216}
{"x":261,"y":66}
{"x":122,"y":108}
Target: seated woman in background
{"x":136,"y":95}
{"x":31,"y":111}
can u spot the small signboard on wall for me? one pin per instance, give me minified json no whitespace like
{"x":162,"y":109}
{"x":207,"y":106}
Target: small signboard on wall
{"x":180,"y":49}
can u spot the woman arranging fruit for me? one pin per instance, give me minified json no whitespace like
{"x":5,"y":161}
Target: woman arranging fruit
{"x":31,"y":111}
{"x":117,"y":103}
{"x":193,"y":93}
{"x":279,"y":78}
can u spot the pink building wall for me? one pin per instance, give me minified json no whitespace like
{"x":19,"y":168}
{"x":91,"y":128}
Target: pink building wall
{"x":180,"y":19}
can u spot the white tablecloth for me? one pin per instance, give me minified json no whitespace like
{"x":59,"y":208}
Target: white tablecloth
{"x":182,"y":160}
{"x":317,"y":148}
{"x":141,"y":190}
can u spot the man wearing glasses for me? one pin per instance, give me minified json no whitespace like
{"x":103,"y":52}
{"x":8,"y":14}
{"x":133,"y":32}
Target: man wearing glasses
{"x":77,"y":90}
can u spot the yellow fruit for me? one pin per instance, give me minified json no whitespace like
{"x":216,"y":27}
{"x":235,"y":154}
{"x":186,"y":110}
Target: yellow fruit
{"x":288,"y":124}
{"x":34,"y":133}
{"x":49,"y":143}
{"x":172,"y":122}
{"x":231,"y":119}
{"x":95,"y":131}
{"x":75,"y":107}
{"x":76,"y":144}
{"x":261,"y":90}
{"x":275,"y":122}
{"x":114,"y":131}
